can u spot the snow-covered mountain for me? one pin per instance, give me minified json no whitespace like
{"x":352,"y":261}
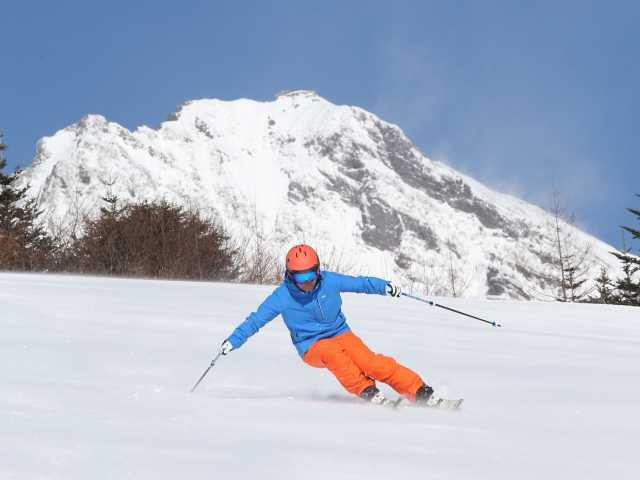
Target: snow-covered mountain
{"x":300,"y":168}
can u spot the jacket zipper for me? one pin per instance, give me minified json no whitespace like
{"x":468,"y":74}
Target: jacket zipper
{"x":321,"y":311}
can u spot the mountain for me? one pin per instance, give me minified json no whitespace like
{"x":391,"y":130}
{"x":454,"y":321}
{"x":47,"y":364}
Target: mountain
{"x":300,"y":168}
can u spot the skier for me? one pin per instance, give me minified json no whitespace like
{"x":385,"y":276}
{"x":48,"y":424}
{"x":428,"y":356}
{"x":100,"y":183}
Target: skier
{"x":309,"y":302}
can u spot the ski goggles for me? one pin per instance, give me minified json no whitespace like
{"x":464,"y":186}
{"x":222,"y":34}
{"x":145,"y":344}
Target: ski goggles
{"x":304,"y":276}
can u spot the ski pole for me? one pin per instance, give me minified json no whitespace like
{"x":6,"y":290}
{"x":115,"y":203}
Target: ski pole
{"x":213,"y":362}
{"x":434,"y":304}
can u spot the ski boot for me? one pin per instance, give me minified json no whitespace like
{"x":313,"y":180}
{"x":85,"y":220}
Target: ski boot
{"x":426,"y":398}
{"x":372,"y":395}
{"x":424,"y":394}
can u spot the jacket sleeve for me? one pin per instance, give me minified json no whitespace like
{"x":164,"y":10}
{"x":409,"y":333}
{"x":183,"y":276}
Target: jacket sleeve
{"x":347,"y":283}
{"x":267,"y":311}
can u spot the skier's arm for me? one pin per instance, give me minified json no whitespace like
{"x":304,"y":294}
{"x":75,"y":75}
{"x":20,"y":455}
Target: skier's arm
{"x":267,"y":311}
{"x":347,"y":283}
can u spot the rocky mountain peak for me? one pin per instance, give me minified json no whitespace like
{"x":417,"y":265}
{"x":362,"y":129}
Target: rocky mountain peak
{"x":300,"y":168}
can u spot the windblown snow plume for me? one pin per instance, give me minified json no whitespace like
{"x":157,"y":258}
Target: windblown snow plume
{"x":300,"y":168}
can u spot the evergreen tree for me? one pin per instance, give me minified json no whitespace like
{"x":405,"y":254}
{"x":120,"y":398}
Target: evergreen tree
{"x":629,"y":285}
{"x":24,"y":245}
{"x":574,"y":280}
{"x":605,"y":289}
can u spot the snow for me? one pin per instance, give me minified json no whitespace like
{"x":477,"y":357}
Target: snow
{"x":96,"y":374}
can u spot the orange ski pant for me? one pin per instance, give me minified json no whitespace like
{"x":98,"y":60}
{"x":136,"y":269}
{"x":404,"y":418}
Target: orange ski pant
{"x":356,"y":367}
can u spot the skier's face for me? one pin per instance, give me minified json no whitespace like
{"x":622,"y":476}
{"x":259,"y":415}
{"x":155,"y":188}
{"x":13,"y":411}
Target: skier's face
{"x":306,"y":279}
{"x":307,"y":286}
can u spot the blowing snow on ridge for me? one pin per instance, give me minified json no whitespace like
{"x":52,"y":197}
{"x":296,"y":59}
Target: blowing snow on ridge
{"x":300,"y":168}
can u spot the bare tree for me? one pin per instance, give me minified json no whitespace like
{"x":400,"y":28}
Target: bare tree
{"x":458,"y":279}
{"x":426,"y":278}
{"x":157,"y":240}
{"x":566,"y":258}
{"x":337,"y":260}
{"x":255,"y":261}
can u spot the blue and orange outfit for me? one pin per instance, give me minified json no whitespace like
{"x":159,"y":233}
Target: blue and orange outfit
{"x":320,"y":333}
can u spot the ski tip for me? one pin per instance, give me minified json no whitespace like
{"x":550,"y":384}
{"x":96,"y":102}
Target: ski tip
{"x":450,"y":404}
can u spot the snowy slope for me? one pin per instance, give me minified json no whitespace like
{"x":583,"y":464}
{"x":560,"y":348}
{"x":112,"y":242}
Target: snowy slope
{"x":95,"y":377}
{"x":300,"y":168}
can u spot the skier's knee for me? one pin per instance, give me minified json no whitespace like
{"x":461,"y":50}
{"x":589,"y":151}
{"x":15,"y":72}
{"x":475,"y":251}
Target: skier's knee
{"x":382,"y":367}
{"x":333,"y":358}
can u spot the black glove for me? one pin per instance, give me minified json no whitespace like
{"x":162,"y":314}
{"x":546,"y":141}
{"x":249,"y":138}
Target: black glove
{"x":226,"y":347}
{"x":393,"y":290}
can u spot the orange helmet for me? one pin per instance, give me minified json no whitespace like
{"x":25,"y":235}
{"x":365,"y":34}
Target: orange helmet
{"x":302,"y":258}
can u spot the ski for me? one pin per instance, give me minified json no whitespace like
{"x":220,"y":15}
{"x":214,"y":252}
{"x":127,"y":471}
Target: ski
{"x":393,"y":404}
{"x":445,"y":403}
{"x":434,"y":402}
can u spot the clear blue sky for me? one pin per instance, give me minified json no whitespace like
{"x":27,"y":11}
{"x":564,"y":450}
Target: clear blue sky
{"x":519,"y":95}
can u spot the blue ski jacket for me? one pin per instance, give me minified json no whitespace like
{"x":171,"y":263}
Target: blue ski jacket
{"x":309,"y":316}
